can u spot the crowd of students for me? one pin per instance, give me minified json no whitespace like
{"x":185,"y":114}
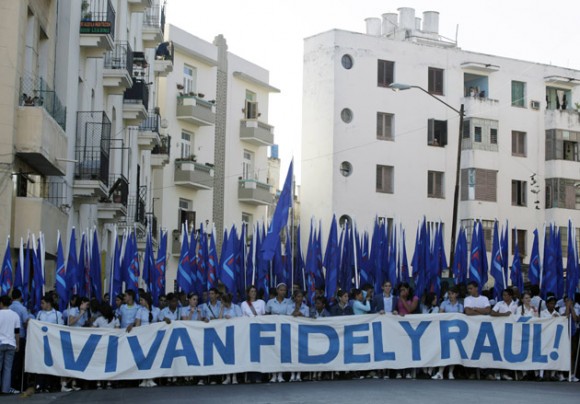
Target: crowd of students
{"x":214,"y":305}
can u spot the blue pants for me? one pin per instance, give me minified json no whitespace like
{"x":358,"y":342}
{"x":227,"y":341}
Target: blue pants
{"x":6,"y":359}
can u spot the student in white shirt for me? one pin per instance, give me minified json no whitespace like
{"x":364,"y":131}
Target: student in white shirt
{"x":527,"y":309}
{"x":253,"y":307}
{"x":475,"y":304}
{"x":280,"y":303}
{"x":506,"y":307}
{"x":228,"y":311}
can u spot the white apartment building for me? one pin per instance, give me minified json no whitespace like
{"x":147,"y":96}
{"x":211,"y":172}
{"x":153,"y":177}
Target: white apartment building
{"x":369,"y":151}
{"x":215,"y":106}
{"x":80,"y":116}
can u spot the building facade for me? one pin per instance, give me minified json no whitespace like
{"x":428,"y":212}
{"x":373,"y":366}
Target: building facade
{"x":79,"y":95}
{"x":368,"y":151}
{"x":216,"y":109}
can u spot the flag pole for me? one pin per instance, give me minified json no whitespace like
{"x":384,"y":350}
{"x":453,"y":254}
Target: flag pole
{"x":354,"y":240}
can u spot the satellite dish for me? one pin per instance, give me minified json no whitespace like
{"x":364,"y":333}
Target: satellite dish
{"x":164,"y":123}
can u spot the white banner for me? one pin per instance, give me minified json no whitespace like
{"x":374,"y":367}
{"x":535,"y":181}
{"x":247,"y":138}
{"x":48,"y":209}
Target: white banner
{"x":284,"y":344}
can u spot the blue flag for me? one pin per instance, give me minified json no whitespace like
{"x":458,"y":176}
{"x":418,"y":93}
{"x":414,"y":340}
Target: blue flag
{"x":572,"y":273}
{"x":548,"y":284}
{"x":38,"y":275}
{"x":460,"y":260}
{"x":6,"y":272}
{"x":212,"y":263}
{"x":116,"y":283}
{"x":560,"y":288}
{"x":497,"y":266}
{"x":18,"y":276}
{"x":72,"y":268}
{"x":61,"y":287}
{"x":227,"y":263}
{"x":201,"y":262}
{"x":84,"y":268}
{"x":27,"y":281}
{"x":160,"y":266}
{"x":184,"y":275}
{"x":534,"y":269}
{"x":95,"y":265}
{"x":331,"y":261}
{"x":516,"y":275}
{"x":280,"y":218}
{"x":299,"y":274}
{"x":148,"y":261}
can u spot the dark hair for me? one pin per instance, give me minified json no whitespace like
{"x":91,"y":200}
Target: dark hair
{"x":321,"y":299}
{"x":47,"y":299}
{"x":120,"y":296}
{"x":355,"y":292}
{"x":534,"y":290}
{"x":5,"y":300}
{"x":16,"y":294}
{"x":227,"y":298}
{"x":297,"y":292}
{"x":107,"y":311}
{"x":170,"y":296}
{"x":367,"y":286}
{"x":525,"y":292}
{"x":453,"y":289}
{"x":509,"y":291}
{"x":429,"y":297}
{"x":473,"y":283}
{"x":341,"y":293}
{"x":131,"y":293}
{"x":149,"y":300}
{"x":214,"y":290}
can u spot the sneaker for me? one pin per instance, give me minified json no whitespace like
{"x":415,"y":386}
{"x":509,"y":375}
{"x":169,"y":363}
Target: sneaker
{"x":505,"y":376}
{"x":298,"y":379}
{"x":574,"y":379}
{"x":201,"y":383}
{"x":213,"y":382}
{"x":13,"y":391}
{"x":292,"y":378}
{"x":408,"y":376}
{"x":561,"y":377}
{"x":226,"y":380}
{"x":451,"y":377}
{"x":386,"y":377}
{"x":109,"y":386}
{"x":151,"y":383}
{"x":99,"y":386}
{"x":143,"y":384}
{"x":280,"y":378}
{"x":437,"y":376}
{"x":75,"y":387}
{"x":235,"y":380}
{"x":273,"y":379}
{"x":399,"y":376}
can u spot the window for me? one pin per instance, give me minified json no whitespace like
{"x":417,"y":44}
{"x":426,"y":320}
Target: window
{"x":478,"y":184}
{"x":493,"y":136}
{"x":436,"y":133}
{"x":487,"y":226}
{"x":518,"y":143}
{"x":477,"y":134}
{"x":384,"y":126}
{"x":435,"y":81}
{"x":521,"y":237}
{"x":475,"y":85}
{"x":247,"y":218}
{"x":570,"y":151}
{"x":189,"y":79}
{"x":346,"y":62}
{"x":435,"y":184}
{"x":518,"y":94}
{"x":385,"y":179}
{"x":251,"y":106}
{"x":346,"y":115}
{"x":519,"y":193}
{"x":557,"y":98}
{"x":385,"y":73}
{"x":345,"y":168}
{"x":248,"y":165}
{"x":185,"y":214}
{"x":185,"y":146}
{"x":562,"y":193}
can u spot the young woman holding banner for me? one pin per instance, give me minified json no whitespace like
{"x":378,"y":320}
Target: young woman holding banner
{"x":147,"y":314}
{"x":253,"y":307}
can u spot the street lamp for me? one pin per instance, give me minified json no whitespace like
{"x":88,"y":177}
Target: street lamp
{"x":401,"y":87}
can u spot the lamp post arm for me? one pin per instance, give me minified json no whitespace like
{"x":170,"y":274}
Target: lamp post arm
{"x":439,"y":99}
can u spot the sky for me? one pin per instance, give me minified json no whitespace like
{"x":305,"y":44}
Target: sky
{"x":270,"y":33}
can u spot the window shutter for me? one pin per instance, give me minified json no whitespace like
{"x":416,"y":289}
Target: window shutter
{"x":251,"y":110}
{"x":430,"y":131}
{"x":514,"y":193}
{"x":379,"y":178}
{"x":430,"y":175}
{"x":570,"y":202}
{"x":443,"y":141}
{"x":464,"y":184}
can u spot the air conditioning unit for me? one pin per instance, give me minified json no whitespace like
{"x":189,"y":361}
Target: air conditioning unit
{"x":535,"y":104}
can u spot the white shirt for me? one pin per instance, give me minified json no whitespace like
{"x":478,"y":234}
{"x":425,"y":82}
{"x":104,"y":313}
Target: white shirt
{"x":275,"y":307}
{"x":102,"y":322}
{"x":258,"y":305}
{"x":546,"y":314}
{"x":52,"y":316}
{"x":479,"y":302}
{"x":143,"y":315}
{"x":531,"y":312}
{"x":502,"y":307}
{"x":9,"y":321}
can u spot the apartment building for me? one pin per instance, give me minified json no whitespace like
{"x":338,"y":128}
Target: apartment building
{"x":79,"y":118}
{"x":368,"y":151}
{"x":215,"y":106}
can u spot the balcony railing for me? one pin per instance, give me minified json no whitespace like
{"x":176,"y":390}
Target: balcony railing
{"x":254,"y":192}
{"x":121,"y":57}
{"x":164,"y":51}
{"x":93,"y":146}
{"x":97,"y":17}
{"x":139,"y":93}
{"x":151,"y":123}
{"x":164,"y":147}
{"x":35,"y":92}
{"x":119,"y":191}
{"x":195,"y":110}
{"x":155,"y":17}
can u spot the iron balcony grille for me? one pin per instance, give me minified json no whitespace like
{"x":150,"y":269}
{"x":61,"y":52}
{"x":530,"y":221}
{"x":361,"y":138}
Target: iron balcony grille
{"x":155,"y":17}
{"x":35,"y":92}
{"x":121,"y":57}
{"x":119,"y":191}
{"x":97,"y":17}
{"x":138,"y":93}
{"x":164,"y":147}
{"x":93,"y":146}
{"x":151,"y":123}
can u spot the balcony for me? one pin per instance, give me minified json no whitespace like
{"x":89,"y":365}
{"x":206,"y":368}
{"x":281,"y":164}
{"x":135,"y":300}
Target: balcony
{"x":192,"y":175}
{"x":41,"y":139}
{"x":153,"y":26}
{"x":118,"y":68}
{"x":34,"y":214}
{"x":254,"y":192}
{"x":567,"y":119}
{"x":160,"y":154}
{"x":97,"y":27}
{"x":136,"y":103}
{"x":257,"y":133}
{"x":163,"y":64}
{"x":481,"y":107}
{"x":148,"y":136}
{"x":111,"y":208}
{"x":195,"y":110}
{"x":92,"y":153}
{"x":138,"y":6}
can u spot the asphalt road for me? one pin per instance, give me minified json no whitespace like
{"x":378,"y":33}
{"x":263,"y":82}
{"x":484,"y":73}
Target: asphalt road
{"x":335,"y":392}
